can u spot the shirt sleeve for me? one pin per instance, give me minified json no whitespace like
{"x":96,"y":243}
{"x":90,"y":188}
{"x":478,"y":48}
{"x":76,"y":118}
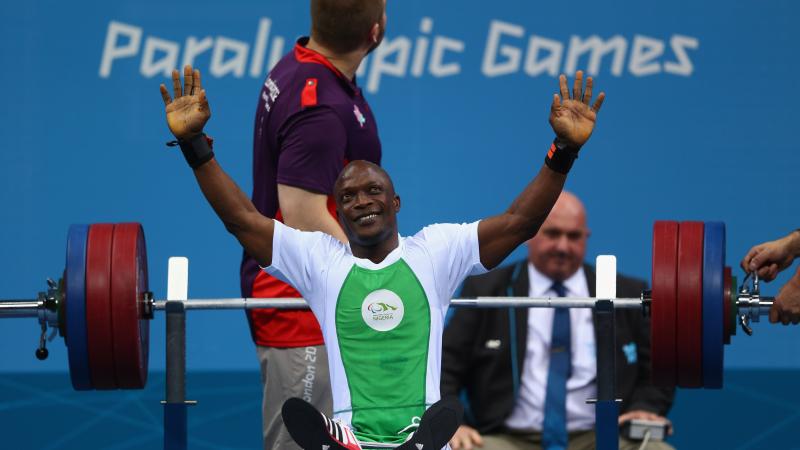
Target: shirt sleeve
{"x":312,"y":150}
{"x":297,"y":257}
{"x":455,"y":253}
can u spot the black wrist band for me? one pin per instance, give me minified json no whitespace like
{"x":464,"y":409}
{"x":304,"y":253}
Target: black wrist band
{"x":196,"y":149}
{"x":561,"y":156}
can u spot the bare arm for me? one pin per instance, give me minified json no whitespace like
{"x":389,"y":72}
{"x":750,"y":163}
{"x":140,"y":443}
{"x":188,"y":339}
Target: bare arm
{"x":498,"y":236}
{"x":186,"y":117}
{"x":307,"y":211}
{"x":234,"y":208}
{"x":786,"y":308}
{"x":770,"y":258}
{"x":573,"y":121}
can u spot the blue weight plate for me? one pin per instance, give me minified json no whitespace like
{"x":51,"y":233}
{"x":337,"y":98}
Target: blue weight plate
{"x":77,"y":343}
{"x":713,"y":306}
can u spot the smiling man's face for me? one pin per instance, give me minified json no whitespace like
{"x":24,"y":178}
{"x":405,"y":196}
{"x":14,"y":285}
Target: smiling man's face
{"x":366,"y":203}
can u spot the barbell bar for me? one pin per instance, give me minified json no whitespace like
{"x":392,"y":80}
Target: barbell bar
{"x":111,"y":260}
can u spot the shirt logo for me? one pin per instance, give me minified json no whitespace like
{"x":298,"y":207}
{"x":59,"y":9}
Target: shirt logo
{"x":493,"y":344}
{"x":359,"y":117}
{"x":382,"y":310}
{"x":269,"y":93}
{"x":630,"y":352}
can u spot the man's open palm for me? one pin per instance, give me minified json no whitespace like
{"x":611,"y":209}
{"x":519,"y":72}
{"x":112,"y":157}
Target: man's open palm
{"x":189,"y":112}
{"x":571,"y":116}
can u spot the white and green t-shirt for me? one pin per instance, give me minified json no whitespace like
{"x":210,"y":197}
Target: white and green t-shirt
{"x":383,"y":322}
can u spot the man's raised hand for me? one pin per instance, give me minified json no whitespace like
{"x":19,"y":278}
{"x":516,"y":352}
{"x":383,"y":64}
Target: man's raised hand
{"x":188,"y":113}
{"x":571,"y":116}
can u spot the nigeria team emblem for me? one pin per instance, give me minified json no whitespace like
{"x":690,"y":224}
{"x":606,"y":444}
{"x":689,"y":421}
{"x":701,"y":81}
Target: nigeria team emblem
{"x":382,"y":310}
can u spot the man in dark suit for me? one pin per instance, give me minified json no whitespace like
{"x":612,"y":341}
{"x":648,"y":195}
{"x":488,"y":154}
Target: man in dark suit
{"x":525,"y":391}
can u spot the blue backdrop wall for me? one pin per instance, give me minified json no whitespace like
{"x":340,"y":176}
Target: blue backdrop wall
{"x":699,"y":123}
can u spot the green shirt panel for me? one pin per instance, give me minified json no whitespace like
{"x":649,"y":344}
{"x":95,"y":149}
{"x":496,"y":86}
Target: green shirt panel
{"x":383,"y":328}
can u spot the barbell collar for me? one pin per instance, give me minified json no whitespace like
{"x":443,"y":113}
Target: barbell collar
{"x":754,"y":306}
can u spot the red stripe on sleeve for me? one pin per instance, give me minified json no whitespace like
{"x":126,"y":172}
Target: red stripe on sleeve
{"x":309,"y":95}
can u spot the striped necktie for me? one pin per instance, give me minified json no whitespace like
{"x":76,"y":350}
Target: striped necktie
{"x":554,"y":432}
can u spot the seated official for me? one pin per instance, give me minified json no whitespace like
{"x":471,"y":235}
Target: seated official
{"x":518,"y":384}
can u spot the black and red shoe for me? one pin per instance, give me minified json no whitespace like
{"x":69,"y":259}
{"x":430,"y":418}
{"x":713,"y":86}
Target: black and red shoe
{"x":437,"y":426}
{"x":312,"y":430}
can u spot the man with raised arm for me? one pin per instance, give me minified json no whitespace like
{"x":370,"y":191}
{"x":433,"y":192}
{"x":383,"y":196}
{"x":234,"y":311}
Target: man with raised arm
{"x":381,"y":299}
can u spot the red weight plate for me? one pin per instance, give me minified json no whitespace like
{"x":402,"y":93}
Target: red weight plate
{"x":689,"y":341}
{"x":664,"y":303}
{"x":98,"y":306}
{"x":128,"y":284}
{"x":726,"y":303}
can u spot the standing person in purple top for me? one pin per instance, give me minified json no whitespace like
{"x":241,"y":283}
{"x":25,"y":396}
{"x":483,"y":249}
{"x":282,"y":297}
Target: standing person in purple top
{"x":310,"y":121}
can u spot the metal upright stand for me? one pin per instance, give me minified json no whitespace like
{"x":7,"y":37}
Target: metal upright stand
{"x":175,"y":405}
{"x":175,"y":417}
{"x":606,"y":408}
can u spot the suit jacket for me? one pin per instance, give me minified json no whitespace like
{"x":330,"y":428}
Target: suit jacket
{"x":477,"y":349}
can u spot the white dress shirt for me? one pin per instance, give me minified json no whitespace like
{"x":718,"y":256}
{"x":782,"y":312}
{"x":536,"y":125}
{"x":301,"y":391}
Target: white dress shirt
{"x":528,"y":413}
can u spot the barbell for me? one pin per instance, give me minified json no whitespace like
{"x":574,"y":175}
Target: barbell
{"x":102,"y":305}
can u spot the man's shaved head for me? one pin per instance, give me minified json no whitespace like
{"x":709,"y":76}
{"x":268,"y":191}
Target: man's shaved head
{"x":559,"y":247}
{"x":358,"y":166}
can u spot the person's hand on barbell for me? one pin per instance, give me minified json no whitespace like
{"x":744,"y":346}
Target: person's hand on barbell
{"x":771,"y":257}
{"x":571,"y":116}
{"x":786,"y":308}
{"x":188,"y":112}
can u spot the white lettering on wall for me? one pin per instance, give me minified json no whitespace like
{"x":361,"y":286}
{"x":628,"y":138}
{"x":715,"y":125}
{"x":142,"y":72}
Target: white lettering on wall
{"x":421,"y":47}
{"x":397,"y":48}
{"x":257,"y":64}
{"x":549,"y":64}
{"x":597,"y":48}
{"x":194,"y":48}
{"x":512,"y":55}
{"x":219,"y":66}
{"x":679,"y":44}
{"x":508,"y":51}
{"x":160,"y":57}
{"x":643,"y":56}
{"x":112,"y":48}
{"x":442,"y":45}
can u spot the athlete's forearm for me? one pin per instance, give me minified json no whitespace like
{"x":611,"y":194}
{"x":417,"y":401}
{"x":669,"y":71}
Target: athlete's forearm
{"x":228,"y":201}
{"x":237,"y":212}
{"x":533,"y":205}
{"x":498,"y":236}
